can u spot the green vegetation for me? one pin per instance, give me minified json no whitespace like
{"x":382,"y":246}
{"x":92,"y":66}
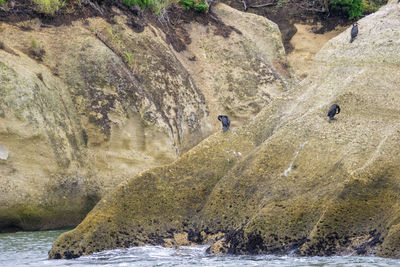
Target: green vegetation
{"x":130,"y":62}
{"x":160,"y":7}
{"x":282,"y":3}
{"x":49,"y":6}
{"x":157,"y":6}
{"x":36,"y":50}
{"x":197,"y":5}
{"x":128,"y":56}
{"x":373,"y":5}
{"x":2,"y":1}
{"x":354,"y":8}
{"x":141,"y":3}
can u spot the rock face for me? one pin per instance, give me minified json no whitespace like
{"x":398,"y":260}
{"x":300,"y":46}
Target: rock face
{"x":288,"y":180}
{"x":86,"y":106}
{"x":258,"y":70}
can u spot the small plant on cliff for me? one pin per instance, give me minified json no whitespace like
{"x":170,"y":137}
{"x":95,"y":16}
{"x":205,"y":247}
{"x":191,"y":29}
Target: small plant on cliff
{"x":197,"y":5}
{"x":36,"y":50}
{"x":354,"y":8}
{"x":282,"y":3}
{"x":130,"y":62}
{"x":49,"y":6}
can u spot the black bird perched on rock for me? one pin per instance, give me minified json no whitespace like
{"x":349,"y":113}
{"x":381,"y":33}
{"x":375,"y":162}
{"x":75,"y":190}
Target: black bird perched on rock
{"x":333,"y":110}
{"x":225,"y":122}
{"x":354,"y":32}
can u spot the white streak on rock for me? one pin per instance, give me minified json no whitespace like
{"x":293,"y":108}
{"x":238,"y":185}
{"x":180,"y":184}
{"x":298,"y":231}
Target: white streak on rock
{"x":3,"y":153}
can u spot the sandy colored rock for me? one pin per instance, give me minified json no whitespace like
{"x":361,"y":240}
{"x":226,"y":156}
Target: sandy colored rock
{"x":339,"y":196}
{"x":84,"y":107}
{"x":239,"y":74}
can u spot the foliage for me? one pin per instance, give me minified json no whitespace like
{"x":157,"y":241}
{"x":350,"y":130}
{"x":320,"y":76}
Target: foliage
{"x":202,"y":8}
{"x":36,"y":50}
{"x":373,"y":5}
{"x":128,"y":56}
{"x":160,"y":7}
{"x":141,"y":3}
{"x":49,"y":6}
{"x":354,"y":8}
{"x":130,"y":62}
{"x":2,"y":1}
{"x":186,"y":4}
{"x":281,"y":3}
{"x":197,"y":5}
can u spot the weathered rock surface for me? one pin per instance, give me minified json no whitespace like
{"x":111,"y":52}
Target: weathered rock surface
{"x":258,"y":70}
{"x":86,"y":106}
{"x":287,"y":181}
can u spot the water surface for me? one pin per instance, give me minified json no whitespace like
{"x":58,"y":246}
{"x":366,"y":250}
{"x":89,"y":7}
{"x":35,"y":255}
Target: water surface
{"x":31,"y":248}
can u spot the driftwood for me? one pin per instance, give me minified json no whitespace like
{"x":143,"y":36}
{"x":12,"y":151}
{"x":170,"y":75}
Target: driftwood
{"x":312,"y":5}
{"x":263,"y":5}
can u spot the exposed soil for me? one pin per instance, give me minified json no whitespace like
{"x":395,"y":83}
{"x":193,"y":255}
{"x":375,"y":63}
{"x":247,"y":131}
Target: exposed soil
{"x":172,"y":21}
{"x":175,"y":18}
{"x":306,"y":44}
{"x":23,"y":10}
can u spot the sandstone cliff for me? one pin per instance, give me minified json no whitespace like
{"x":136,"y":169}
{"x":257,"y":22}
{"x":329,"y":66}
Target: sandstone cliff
{"x":288,"y":180}
{"x":86,"y":106}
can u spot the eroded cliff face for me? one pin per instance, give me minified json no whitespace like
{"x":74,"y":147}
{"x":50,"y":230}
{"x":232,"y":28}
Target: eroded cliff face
{"x":288,"y":180}
{"x":86,"y":106}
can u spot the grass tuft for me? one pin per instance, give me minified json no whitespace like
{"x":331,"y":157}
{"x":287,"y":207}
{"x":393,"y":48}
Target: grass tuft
{"x":49,"y":6}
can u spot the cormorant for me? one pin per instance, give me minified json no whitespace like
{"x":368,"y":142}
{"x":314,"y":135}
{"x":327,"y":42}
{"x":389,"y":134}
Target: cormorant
{"x":354,"y":32}
{"x":333,"y":110}
{"x":225,"y":122}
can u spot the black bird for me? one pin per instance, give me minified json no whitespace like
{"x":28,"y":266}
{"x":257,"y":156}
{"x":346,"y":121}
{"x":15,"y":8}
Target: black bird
{"x":225,"y":122}
{"x":333,"y":110}
{"x":354,"y":32}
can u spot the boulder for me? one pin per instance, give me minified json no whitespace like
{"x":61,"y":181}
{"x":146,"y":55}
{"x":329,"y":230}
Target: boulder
{"x":288,"y":181}
{"x":86,"y":106}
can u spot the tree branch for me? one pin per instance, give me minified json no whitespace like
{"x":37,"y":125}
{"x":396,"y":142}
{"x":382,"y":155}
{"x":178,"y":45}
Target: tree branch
{"x":263,"y":5}
{"x":244,"y":5}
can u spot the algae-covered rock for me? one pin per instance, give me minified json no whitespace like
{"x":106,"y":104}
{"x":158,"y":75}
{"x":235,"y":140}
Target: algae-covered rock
{"x":288,"y":181}
{"x":86,"y":106}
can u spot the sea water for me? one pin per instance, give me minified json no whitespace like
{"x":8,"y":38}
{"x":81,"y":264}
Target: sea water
{"x":31,"y":248}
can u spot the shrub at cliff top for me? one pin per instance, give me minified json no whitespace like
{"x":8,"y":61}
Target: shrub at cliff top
{"x":141,"y":3}
{"x":197,"y":5}
{"x":354,"y":8}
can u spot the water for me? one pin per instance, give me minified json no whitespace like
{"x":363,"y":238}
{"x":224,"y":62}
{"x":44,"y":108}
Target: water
{"x":30,"y":249}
